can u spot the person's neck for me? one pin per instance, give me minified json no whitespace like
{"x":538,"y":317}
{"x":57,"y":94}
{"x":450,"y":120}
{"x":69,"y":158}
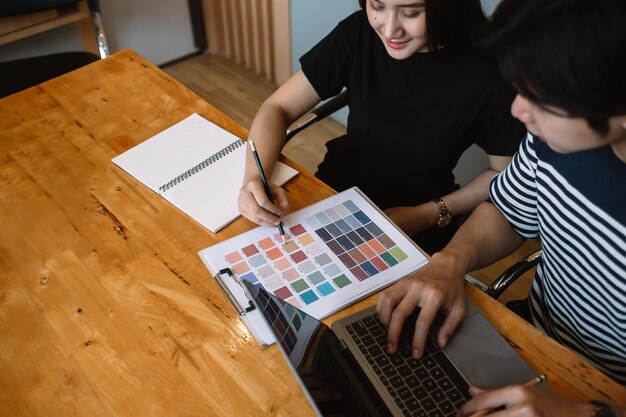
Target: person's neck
{"x":619,"y":149}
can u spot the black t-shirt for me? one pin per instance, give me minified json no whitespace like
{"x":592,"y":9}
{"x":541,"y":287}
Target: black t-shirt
{"x":410,"y":120}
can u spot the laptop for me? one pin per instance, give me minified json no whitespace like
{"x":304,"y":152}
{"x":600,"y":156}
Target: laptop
{"x":345,"y":370}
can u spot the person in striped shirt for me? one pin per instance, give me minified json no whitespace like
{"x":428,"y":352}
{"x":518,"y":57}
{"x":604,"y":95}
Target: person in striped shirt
{"x":566,"y":186}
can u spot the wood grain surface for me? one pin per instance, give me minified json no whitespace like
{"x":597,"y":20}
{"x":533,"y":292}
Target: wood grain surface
{"x":105,"y":307}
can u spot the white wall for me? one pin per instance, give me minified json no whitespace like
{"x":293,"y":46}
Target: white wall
{"x":159,"y":30}
{"x":310,"y":22}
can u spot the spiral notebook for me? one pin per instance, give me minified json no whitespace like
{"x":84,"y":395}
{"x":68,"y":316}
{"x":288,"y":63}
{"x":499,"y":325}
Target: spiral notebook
{"x":198,"y":167}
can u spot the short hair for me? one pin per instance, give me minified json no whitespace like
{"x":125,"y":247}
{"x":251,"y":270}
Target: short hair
{"x":451,"y":24}
{"x":570,"y":54}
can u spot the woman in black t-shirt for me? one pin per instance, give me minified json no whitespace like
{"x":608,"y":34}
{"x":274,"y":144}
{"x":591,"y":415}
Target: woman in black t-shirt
{"x":418,"y":98}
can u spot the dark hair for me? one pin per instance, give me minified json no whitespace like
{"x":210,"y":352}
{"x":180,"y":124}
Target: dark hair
{"x":569,"y":54}
{"x":451,"y":24}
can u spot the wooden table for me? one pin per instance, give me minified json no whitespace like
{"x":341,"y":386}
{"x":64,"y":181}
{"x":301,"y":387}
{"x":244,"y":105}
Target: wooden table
{"x":105,"y":307}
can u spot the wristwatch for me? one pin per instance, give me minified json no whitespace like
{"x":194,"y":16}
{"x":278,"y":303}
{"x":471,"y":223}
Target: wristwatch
{"x":602,"y":409}
{"x":444,"y":217}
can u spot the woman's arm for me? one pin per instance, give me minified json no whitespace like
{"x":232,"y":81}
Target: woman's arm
{"x":414,"y":219}
{"x":294,"y":98}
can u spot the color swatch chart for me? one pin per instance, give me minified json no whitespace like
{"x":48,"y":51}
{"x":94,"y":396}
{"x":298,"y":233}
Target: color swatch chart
{"x":338,"y":250}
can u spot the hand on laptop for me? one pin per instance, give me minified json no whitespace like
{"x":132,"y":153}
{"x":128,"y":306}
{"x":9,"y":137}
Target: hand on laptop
{"x":437,"y":286}
{"x":521,"y":401}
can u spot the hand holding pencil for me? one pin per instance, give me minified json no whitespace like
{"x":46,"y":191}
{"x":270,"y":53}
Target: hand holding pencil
{"x":512,"y":400}
{"x":266,"y":185}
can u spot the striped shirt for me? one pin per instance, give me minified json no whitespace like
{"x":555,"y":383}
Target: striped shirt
{"x":576,"y":205}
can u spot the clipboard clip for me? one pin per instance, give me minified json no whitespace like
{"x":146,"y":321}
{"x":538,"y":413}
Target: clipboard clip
{"x":241,"y":310}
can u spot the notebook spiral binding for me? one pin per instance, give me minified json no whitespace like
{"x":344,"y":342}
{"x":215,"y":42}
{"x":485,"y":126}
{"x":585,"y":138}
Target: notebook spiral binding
{"x":210,"y":160}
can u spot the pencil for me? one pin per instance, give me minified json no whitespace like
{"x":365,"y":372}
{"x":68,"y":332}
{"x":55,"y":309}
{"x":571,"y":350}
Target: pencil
{"x":266,"y":184}
{"x":535,"y":381}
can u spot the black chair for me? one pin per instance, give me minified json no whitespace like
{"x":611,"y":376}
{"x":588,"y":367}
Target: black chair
{"x":509,"y":276}
{"x":317,"y":114}
{"x":20,"y":74}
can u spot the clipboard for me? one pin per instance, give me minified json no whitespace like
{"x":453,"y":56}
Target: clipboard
{"x":241,"y":300}
{"x":312,"y":270}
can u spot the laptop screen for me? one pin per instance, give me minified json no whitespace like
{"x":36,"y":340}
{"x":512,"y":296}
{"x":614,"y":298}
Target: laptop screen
{"x":324,"y":367}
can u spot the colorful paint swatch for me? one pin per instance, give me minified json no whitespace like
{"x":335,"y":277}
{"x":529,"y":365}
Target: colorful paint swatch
{"x":266,"y":243}
{"x":309,"y":297}
{"x":379,"y":263}
{"x":297,"y":230}
{"x":398,"y":253}
{"x":233,"y":258}
{"x":326,"y":289}
{"x":258,"y":260}
{"x":274,"y":253}
{"x":298,"y":256}
{"x":332,"y":214}
{"x":323,"y":259}
{"x":306,"y":267}
{"x":359,"y":273}
{"x":299,"y":285}
{"x":314,"y":249}
{"x":316,"y":277}
{"x":265,"y":271}
{"x":241,"y":268}
{"x":342,"y":210}
{"x":250,"y":277}
{"x":290,"y":246}
{"x":328,"y":251}
{"x":283,"y":293}
{"x":305,"y":239}
{"x":341,"y":281}
{"x":291,"y":274}
{"x":282,"y":264}
{"x":313,"y":222}
{"x":250,"y":250}
{"x":274,"y":282}
{"x":332,"y":270}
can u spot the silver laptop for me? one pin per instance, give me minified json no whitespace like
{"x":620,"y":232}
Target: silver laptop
{"x":345,"y":371}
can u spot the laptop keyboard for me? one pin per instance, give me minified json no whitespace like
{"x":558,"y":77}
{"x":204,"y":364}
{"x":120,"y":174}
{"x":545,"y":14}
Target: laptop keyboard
{"x":428,"y":387}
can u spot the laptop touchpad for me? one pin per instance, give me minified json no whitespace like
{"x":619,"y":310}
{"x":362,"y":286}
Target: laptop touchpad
{"x":485,"y":357}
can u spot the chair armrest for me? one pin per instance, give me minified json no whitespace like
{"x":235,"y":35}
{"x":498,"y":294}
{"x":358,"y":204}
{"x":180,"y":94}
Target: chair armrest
{"x":512,"y":273}
{"x":317,"y":114}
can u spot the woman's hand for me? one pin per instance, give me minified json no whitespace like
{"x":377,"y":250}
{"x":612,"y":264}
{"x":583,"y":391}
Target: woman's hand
{"x":256,"y":206}
{"x":436,"y":286}
{"x":414,"y":219}
{"x":521,"y":401}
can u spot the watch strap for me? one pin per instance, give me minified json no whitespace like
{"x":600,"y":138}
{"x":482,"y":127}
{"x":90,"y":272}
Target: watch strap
{"x":444,"y":217}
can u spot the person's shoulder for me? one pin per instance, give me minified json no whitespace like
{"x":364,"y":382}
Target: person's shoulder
{"x":354,"y":31}
{"x":354,"y":22}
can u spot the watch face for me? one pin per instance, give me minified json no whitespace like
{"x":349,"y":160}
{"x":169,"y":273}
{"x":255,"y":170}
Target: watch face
{"x":443,"y":221}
